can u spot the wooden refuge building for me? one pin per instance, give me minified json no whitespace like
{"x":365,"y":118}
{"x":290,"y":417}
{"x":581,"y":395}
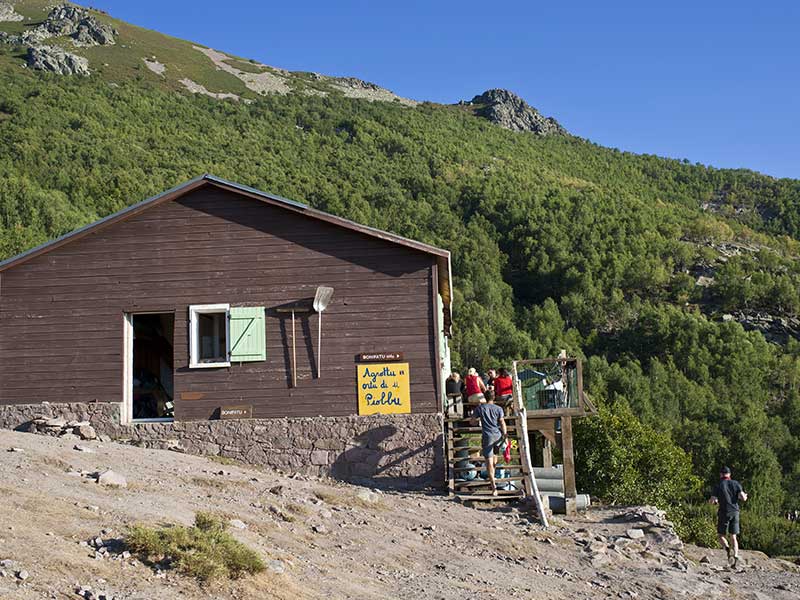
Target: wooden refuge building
{"x":190,"y":319}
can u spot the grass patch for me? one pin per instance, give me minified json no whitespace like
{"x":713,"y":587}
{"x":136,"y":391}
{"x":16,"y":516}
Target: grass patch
{"x":224,"y":460}
{"x":298,"y":509}
{"x":204,"y":551}
{"x":345,"y":500}
{"x":53,"y":461}
{"x":217,"y":484}
{"x":328,"y":497}
{"x":246,"y":66}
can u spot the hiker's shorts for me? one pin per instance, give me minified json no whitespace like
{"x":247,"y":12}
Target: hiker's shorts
{"x":491,"y":446}
{"x":728,"y":523}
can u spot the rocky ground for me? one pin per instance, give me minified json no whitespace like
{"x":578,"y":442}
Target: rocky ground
{"x":60,"y":532}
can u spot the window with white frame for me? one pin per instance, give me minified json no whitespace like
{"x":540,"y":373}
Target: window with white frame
{"x":208,"y":335}
{"x":220,"y":334}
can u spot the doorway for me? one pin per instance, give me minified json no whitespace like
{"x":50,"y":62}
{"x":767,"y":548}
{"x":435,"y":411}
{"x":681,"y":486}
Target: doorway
{"x":150,"y":390}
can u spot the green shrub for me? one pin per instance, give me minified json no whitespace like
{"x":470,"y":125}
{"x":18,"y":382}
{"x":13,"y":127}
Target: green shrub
{"x":625,"y":462}
{"x":772,"y":535}
{"x":204,"y":551}
{"x":695,"y":523}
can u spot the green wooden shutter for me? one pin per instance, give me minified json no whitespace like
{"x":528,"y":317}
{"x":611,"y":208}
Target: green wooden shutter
{"x":248,"y":336}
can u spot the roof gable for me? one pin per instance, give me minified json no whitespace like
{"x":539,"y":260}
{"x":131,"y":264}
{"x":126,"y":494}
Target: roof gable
{"x":442,"y":256}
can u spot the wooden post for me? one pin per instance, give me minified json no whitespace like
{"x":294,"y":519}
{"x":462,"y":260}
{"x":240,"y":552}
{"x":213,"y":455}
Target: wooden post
{"x":547,"y":453}
{"x":570,"y":491}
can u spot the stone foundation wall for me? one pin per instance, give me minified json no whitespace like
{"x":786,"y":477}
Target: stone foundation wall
{"x":401,"y":451}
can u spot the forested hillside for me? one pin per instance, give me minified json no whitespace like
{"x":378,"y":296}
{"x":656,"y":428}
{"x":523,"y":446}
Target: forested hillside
{"x":629,"y":261}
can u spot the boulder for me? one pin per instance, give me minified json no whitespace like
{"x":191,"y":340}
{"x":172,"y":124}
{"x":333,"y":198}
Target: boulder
{"x":86,"y":431}
{"x":368,"y":496}
{"x":57,"y":60}
{"x":112,"y":479}
{"x":635,"y":534}
{"x":7,"y":13}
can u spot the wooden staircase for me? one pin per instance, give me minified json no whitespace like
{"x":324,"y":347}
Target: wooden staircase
{"x":464,"y":460}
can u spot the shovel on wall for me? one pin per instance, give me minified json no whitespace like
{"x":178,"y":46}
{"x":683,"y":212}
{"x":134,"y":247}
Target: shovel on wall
{"x":321,"y":300}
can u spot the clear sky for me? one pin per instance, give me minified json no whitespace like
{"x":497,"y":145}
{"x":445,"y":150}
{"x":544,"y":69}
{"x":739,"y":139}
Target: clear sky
{"x":715,"y":82}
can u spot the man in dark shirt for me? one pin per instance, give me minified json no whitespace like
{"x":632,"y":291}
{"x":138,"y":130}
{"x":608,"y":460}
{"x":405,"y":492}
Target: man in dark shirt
{"x":493,"y":432}
{"x":727,"y":494}
{"x":454,"y":389}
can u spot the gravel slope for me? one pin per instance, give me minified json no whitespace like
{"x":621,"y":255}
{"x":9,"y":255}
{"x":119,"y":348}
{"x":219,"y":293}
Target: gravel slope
{"x":324,"y":539}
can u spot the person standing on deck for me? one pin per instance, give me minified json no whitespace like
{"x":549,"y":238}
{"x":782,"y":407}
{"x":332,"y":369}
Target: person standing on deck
{"x":493,"y":433}
{"x":474,"y":387}
{"x":503,"y":388}
{"x":727,"y":494}
{"x":454,"y":390}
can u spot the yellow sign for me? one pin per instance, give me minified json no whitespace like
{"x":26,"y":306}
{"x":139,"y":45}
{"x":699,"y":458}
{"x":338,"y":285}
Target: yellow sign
{"x":383,"y":388}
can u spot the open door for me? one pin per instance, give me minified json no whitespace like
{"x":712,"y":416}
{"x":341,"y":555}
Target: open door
{"x":149,"y":381}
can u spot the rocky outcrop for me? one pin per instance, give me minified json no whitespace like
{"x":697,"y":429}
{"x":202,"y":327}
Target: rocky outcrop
{"x":7,"y":13}
{"x":508,"y":110}
{"x":775,"y":328}
{"x":77,"y":23}
{"x":70,"y":21}
{"x":57,"y":60}
{"x":352,"y":87}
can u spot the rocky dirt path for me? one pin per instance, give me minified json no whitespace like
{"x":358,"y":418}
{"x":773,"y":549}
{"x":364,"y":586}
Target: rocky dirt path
{"x":323,"y":539}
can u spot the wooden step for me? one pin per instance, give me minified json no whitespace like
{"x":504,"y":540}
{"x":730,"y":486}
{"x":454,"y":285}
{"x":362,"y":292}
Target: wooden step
{"x":475,"y":429}
{"x":479,"y":482}
{"x":502,"y":495}
{"x":480,"y":459}
{"x":475,"y":449}
{"x":461,"y":469}
{"x":500,"y":464}
{"x":460,"y":419}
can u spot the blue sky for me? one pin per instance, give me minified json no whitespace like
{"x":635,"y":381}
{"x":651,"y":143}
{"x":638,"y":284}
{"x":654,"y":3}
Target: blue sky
{"x":714,"y":82}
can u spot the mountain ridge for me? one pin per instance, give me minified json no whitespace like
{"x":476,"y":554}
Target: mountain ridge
{"x":54,"y":44}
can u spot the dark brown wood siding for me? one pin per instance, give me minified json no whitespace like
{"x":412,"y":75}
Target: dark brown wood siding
{"x":61,"y":313}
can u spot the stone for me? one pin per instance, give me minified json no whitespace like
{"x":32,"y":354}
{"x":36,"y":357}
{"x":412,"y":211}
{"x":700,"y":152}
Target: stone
{"x":22,"y":575}
{"x":57,"y":60}
{"x":506,"y":109}
{"x":55,"y":422}
{"x":319,"y":457}
{"x":238,"y":524}
{"x":7,"y":563}
{"x":16,"y":450}
{"x":635,"y":534}
{"x":7,"y":13}
{"x":112,"y":479}
{"x":368,"y":496}
{"x":596,"y":547}
{"x":80,"y":448}
{"x":276,"y":566}
{"x":319,"y":529}
{"x":86,"y":432}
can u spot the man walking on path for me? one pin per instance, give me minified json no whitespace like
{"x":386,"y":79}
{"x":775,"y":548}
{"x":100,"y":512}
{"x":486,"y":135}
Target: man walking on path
{"x":727,"y":494}
{"x":493,"y":432}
